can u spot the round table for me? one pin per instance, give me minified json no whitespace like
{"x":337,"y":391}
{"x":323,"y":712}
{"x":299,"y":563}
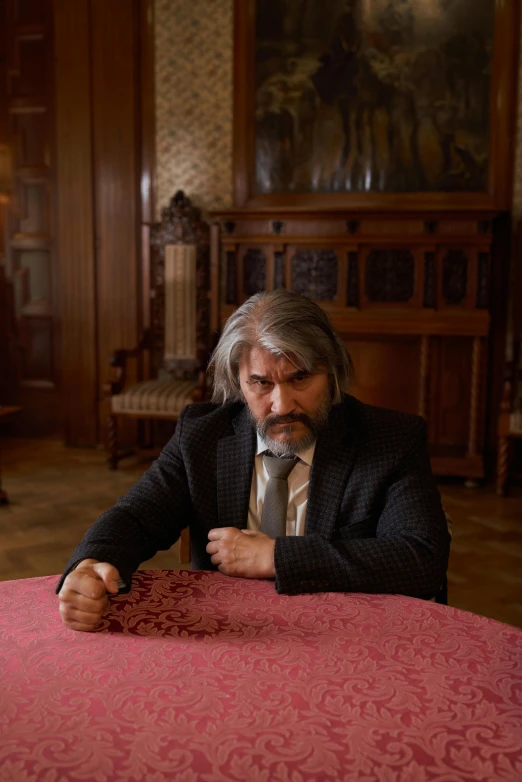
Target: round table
{"x":198,"y":676}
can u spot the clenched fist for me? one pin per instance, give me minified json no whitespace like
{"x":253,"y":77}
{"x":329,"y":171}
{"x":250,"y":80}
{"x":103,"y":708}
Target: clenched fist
{"x":242,"y":552}
{"x":83,"y":595}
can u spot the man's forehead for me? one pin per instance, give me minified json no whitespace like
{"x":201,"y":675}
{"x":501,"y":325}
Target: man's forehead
{"x":260,"y":361}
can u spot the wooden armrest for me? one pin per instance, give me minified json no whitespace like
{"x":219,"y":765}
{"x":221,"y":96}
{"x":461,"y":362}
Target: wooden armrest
{"x":119,"y":357}
{"x":119,"y":360}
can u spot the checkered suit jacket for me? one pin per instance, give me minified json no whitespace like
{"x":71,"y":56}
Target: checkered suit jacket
{"x":374,"y":521}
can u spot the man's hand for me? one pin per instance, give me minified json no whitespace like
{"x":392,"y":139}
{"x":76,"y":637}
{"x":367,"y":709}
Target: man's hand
{"x":83,"y":595}
{"x":242,"y":552}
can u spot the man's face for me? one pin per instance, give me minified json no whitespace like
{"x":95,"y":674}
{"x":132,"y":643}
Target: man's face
{"x":289,"y":405}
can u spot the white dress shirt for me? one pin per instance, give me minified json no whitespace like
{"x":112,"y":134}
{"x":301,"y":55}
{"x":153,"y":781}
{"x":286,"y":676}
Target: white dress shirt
{"x":298,"y":481}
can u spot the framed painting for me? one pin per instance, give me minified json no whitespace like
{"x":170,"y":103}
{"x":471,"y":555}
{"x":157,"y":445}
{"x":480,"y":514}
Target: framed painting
{"x":376,"y":103}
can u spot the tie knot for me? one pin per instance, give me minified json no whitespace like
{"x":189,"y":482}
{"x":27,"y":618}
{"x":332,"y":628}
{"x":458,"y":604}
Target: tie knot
{"x":279,"y":468}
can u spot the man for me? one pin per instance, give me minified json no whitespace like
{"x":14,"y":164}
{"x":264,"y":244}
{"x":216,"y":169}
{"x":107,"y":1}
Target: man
{"x":361,"y":512}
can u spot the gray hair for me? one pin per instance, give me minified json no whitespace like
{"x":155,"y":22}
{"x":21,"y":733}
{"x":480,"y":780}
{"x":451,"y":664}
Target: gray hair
{"x":286,"y":324}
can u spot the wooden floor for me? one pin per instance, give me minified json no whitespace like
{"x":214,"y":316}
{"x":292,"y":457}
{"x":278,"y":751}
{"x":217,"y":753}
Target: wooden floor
{"x":57,"y":492}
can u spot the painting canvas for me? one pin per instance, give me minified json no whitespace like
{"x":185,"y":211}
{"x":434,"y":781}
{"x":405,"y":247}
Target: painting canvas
{"x":384,"y":96}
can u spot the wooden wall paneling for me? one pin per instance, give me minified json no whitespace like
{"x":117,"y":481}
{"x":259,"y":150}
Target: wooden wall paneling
{"x":116,"y":174}
{"x":496,"y":348}
{"x":215,"y":278}
{"x":289,"y":250}
{"x":386,"y":370}
{"x":147,"y":141}
{"x":270,"y":268}
{"x":457,"y":421}
{"x":503,"y":101}
{"x":31,"y":261}
{"x":475,"y":417}
{"x":473,"y":280}
{"x":146,"y":110}
{"x":378,"y":267}
{"x":5,"y":132}
{"x":75,"y":219}
{"x":424,"y":377}
{"x":451,"y":387}
{"x":342,"y":277}
{"x":414,"y":352}
{"x":243,"y":129}
{"x":240,"y":274}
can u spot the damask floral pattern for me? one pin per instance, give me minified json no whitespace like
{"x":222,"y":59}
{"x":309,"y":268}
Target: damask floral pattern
{"x":193,"y":73}
{"x":198,"y":676}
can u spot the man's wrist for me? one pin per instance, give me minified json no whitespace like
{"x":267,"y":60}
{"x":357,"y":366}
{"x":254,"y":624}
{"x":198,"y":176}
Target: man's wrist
{"x":271,"y":561}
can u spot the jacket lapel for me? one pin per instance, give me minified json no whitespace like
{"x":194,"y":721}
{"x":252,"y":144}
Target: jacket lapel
{"x":334,"y":458}
{"x":234,"y":472}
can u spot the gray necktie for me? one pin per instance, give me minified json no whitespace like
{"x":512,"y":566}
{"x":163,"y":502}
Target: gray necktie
{"x":275,"y":503}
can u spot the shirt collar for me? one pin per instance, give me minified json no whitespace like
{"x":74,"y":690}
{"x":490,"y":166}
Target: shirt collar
{"x":305,"y":456}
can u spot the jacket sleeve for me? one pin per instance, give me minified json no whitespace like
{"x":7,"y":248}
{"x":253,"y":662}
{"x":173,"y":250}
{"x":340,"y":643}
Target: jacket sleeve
{"x":407,"y":555}
{"x":148,"y":518}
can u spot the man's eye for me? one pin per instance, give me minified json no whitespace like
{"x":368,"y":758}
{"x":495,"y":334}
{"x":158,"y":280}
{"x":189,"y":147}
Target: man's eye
{"x":300,"y":378}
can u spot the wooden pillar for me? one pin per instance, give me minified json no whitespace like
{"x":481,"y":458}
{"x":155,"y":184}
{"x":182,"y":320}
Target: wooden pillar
{"x":475,"y":406}
{"x":104,"y":185}
{"x":424,"y":382}
{"x":75,"y":219}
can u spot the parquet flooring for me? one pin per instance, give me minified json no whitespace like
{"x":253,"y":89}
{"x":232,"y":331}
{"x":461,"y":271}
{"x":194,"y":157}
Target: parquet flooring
{"x":57,"y":492}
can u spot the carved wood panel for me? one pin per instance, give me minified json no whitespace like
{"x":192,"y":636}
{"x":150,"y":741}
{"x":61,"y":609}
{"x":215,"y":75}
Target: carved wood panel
{"x":451,"y":388}
{"x":389,"y":276}
{"x":410,"y":297}
{"x":254,"y":271}
{"x":455,"y":277}
{"x":314,"y":273}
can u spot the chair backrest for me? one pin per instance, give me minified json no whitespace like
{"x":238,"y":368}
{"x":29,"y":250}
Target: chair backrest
{"x":181,"y":337}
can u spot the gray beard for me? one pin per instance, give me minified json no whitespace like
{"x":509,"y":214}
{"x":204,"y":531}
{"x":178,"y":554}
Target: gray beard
{"x":315,"y":425}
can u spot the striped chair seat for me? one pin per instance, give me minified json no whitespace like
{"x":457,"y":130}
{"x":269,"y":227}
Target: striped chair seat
{"x":160,"y":398}
{"x":515,"y":422}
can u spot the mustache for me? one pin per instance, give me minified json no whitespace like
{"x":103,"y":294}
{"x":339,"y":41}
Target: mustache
{"x":291,"y":418}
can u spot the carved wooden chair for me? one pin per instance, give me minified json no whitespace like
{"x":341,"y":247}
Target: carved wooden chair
{"x":510,"y":418}
{"x":174,"y":350}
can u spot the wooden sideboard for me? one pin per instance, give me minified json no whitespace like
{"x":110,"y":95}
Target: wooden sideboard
{"x":409,"y":294}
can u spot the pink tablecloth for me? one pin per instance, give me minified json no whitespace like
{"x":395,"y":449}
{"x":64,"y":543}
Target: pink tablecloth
{"x":197,"y":676}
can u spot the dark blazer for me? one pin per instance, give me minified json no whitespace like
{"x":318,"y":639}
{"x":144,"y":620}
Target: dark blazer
{"x":374,"y":520}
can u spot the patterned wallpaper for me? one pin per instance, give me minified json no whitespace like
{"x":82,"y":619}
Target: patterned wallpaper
{"x":194,"y":53}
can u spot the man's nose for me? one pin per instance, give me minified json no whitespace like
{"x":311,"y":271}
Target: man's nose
{"x":282,"y":399}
